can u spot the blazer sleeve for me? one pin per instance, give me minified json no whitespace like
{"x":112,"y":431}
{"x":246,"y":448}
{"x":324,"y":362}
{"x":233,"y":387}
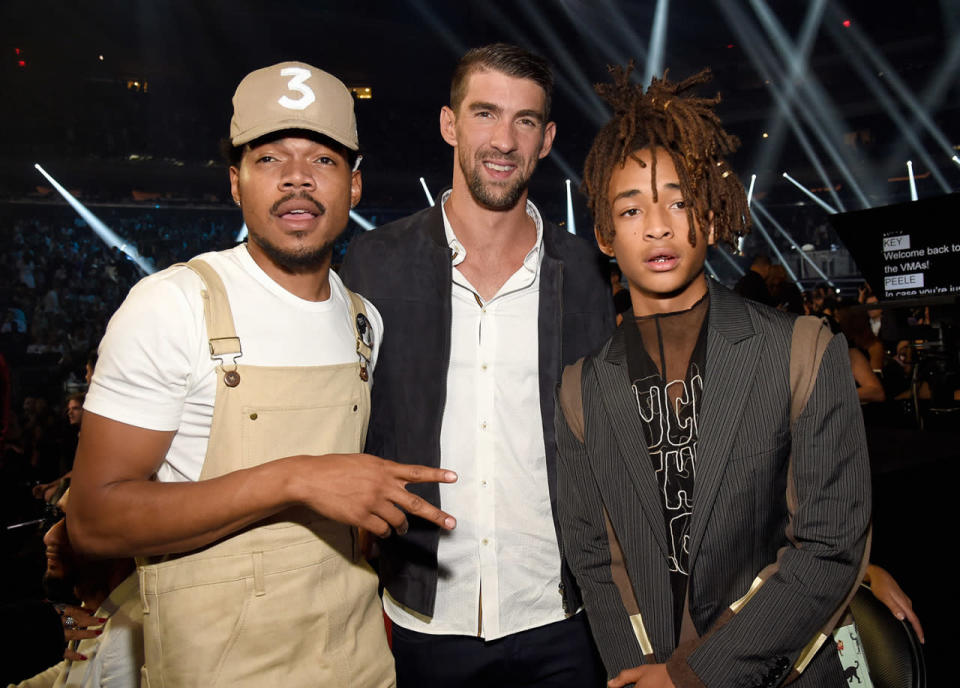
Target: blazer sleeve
{"x":762,"y":642}
{"x":355,"y":266}
{"x":585,"y":546}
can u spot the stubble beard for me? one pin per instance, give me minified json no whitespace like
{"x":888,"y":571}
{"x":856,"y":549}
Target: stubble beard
{"x":298,"y":260}
{"x":491,"y":195}
{"x":294,"y":260}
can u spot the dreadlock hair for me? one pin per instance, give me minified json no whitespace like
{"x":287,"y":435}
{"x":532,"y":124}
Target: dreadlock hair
{"x":667,"y":116}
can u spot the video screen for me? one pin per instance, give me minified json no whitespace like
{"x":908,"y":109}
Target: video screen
{"x":906,"y":250}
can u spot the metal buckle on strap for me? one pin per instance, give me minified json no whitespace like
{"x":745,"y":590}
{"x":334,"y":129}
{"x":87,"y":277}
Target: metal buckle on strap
{"x":231,"y":378}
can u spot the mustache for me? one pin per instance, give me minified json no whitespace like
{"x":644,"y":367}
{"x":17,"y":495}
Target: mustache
{"x":300,"y":196}
{"x":513,"y":157}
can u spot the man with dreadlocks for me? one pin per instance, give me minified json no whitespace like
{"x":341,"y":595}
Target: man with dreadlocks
{"x":676,"y":437}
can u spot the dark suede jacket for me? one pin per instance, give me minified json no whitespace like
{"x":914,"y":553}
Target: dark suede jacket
{"x":404,"y":268}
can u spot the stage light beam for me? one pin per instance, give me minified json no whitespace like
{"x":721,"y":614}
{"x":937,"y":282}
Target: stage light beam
{"x":816,"y":108}
{"x":776,"y":251}
{"x":785,"y":234}
{"x":753,"y":180}
{"x":822,"y":204}
{"x":571,"y":222}
{"x":107,"y":235}
{"x":913,"y":181}
{"x":892,"y":78}
{"x":361,"y":220}
{"x":423,"y":183}
{"x":658,"y":41}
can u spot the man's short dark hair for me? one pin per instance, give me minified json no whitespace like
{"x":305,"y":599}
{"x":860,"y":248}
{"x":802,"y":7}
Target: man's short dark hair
{"x":233,"y":154}
{"x":511,"y":60}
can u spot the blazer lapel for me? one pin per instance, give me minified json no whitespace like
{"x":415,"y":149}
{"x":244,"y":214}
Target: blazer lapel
{"x":732,"y":350}
{"x":620,"y":405}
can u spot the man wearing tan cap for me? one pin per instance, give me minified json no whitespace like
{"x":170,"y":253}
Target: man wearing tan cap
{"x":223,"y":424}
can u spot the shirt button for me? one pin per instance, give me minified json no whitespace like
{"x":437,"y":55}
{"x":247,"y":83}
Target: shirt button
{"x":483,"y":366}
{"x":485,"y":541}
{"x":483,"y":425}
{"x":483,"y":483}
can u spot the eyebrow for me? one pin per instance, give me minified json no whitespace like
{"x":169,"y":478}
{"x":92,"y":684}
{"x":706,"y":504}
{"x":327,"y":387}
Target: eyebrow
{"x":493,"y":107}
{"x":630,"y":193}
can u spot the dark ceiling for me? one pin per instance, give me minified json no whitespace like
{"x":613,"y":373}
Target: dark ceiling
{"x":68,"y":106}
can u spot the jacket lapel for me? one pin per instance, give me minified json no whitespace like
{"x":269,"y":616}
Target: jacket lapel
{"x":620,"y":405}
{"x":733,"y":347}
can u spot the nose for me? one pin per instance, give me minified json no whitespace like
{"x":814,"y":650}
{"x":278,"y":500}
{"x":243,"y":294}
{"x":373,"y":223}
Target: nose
{"x":57,"y":535}
{"x":659,"y":225}
{"x":504,"y":137}
{"x":297,"y":175}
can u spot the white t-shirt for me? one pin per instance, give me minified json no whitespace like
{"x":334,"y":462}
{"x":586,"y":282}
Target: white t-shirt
{"x":155,"y":369}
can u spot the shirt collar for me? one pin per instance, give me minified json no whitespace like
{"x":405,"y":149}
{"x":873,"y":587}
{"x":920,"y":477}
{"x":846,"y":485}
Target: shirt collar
{"x":458,"y":253}
{"x":120,"y":594}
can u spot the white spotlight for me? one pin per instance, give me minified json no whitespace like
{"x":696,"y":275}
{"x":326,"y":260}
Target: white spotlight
{"x":107,"y":235}
{"x":913,"y":181}
{"x":571,"y":223}
{"x":753,"y":180}
{"x":658,"y":41}
{"x":956,"y":159}
{"x":804,"y":189}
{"x":423,"y":183}
{"x":361,"y":220}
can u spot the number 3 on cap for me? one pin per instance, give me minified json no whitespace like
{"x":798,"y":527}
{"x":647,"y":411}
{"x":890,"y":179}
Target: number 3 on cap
{"x":299,"y":75}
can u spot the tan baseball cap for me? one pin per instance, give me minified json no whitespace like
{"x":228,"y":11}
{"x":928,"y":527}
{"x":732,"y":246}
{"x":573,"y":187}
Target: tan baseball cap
{"x":293,"y":95}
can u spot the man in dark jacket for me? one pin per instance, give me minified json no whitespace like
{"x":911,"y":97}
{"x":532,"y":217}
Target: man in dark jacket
{"x":483,"y":303}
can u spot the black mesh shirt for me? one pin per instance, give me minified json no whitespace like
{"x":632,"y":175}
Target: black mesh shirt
{"x":666,"y":353}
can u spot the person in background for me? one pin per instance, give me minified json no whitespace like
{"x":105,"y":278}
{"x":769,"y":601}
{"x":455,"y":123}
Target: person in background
{"x":753,"y":284}
{"x":107,"y":652}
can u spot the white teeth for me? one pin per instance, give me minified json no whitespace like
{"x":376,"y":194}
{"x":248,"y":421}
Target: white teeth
{"x":499,"y":168}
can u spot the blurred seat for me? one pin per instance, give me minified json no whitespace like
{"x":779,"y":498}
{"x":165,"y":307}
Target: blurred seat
{"x":893,"y":651}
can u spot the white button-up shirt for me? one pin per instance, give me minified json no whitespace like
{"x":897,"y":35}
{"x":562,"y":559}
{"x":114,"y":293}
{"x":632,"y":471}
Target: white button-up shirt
{"x":499,"y":569}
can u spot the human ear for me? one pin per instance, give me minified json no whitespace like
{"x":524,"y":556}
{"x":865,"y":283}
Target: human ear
{"x":235,"y":183}
{"x":448,"y":121}
{"x":605,"y":248}
{"x":356,"y":188}
{"x":549,"y":132}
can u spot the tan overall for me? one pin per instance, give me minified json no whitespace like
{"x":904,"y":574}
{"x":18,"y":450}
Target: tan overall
{"x":286,"y":602}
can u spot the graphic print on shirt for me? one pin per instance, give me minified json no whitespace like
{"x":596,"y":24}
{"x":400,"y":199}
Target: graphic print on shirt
{"x":672,"y":432}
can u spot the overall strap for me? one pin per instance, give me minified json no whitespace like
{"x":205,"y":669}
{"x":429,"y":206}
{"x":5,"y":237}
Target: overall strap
{"x":216,"y":312}
{"x":810,"y":339}
{"x":570,"y":398}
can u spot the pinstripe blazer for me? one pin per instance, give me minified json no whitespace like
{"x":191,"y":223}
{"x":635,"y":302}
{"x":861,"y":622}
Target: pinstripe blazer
{"x":739,"y":514}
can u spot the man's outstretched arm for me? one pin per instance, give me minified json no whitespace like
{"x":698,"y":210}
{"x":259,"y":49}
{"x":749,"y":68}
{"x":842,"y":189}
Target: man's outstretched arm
{"x":118,"y":509}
